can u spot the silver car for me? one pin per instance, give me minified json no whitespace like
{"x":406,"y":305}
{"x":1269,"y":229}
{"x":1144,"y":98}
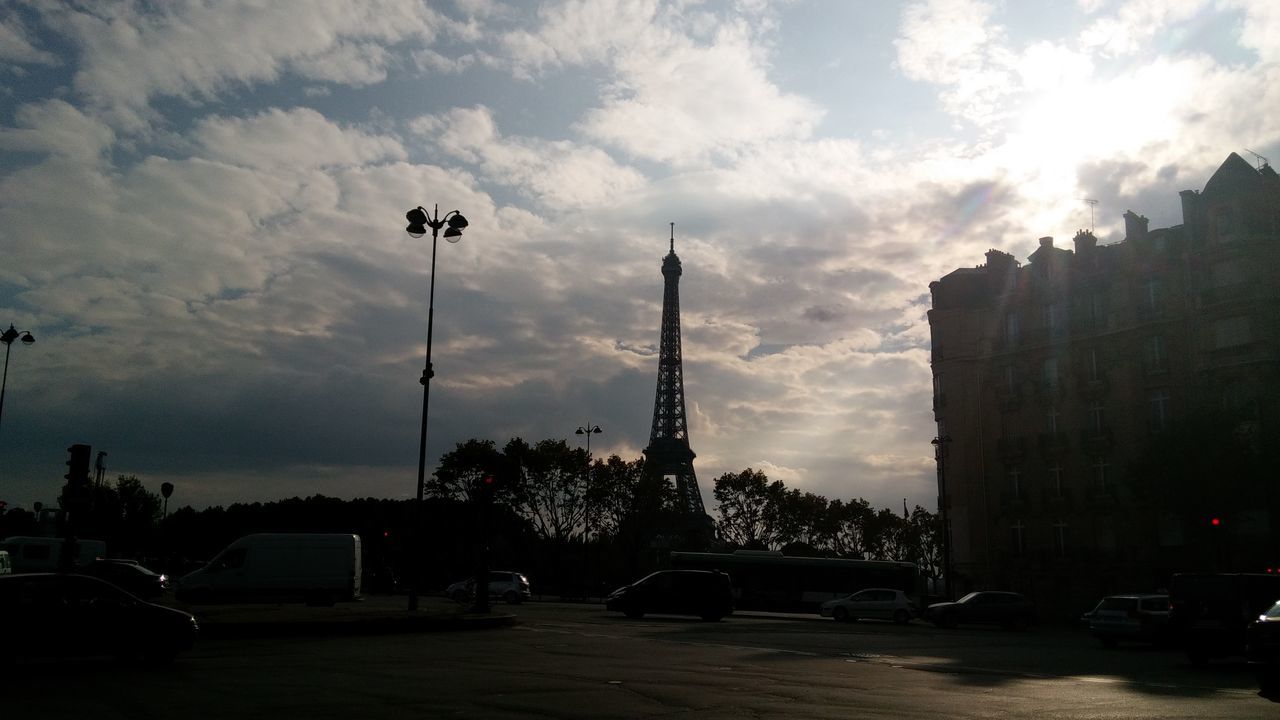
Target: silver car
{"x":511,"y":587}
{"x":1137,"y":618}
{"x":877,"y":603}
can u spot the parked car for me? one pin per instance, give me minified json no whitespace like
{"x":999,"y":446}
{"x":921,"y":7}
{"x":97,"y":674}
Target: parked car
{"x":1262,"y":649}
{"x":61,"y":615}
{"x":705,"y":593}
{"x":1008,"y":609}
{"x":1211,"y":612}
{"x":128,"y":575}
{"x":877,"y":603}
{"x":512,"y":587}
{"x":1137,"y":618}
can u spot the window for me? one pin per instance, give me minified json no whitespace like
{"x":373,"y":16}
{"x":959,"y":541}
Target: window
{"x":1154,"y":357}
{"x":939,"y":397}
{"x":1051,"y":420}
{"x":1055,"y":480}
{"x":1158,"y":404}
{"x":1049,"y":373}
{"x":1060,"y":538}
{"x":1011,"y":328}
{"x":1097,"y":419}
{"x":1100,"y":475}
{"x":1016,"y":543}
{"x":1091,"y":365}
{"x":1055,"y":318}
{"x":1232,"y":332}
{"x":1222,"y":223}
{"x":1015,"y":483}
{"x":1151,"y":295}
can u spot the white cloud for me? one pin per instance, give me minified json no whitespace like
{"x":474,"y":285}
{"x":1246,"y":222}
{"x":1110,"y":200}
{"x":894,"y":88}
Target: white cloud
{"x":297,"y":139}
{"x":129,"y":55}
{"x":55,"y":126}
{"x":561,"y":174}
{"x":16,"y":45}
{"x":1135,"y":24}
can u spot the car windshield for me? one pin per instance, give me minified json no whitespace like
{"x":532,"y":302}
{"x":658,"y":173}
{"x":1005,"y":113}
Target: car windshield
{"x":968,"y":598}
{"x":1274,"y":612}
{"x":1121,"y":604}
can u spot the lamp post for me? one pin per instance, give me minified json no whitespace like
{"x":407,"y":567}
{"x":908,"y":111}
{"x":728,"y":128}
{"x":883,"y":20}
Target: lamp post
{"x":940,"y":453}
{"x":419,"y":221}
{"x":588,"y":430}
{"x":7,"y":337}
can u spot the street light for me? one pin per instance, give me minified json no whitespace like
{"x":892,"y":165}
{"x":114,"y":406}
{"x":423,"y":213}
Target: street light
{"x":940,"y":452}
{"x":7,"y":337}
{"x":419,"y":221}
{"x":588,"y":430}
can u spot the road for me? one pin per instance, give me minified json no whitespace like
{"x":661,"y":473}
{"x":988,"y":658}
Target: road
{"x":573,"y":661}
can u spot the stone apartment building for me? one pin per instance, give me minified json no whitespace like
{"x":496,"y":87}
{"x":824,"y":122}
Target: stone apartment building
{"x":1107,"y":414}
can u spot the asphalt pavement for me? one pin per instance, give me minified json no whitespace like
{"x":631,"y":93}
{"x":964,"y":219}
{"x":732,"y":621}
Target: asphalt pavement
{"x":372,"y":614}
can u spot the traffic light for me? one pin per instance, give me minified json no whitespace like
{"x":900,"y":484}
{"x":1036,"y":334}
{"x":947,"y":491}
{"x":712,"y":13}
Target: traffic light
{"x":78,"y":464}
{"x":1215,"y":522}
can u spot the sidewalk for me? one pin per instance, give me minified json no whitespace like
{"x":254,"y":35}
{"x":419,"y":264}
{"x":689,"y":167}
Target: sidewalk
{"x":372,"y":615}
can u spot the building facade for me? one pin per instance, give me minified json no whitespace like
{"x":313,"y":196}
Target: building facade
{"x":1107,"y":414}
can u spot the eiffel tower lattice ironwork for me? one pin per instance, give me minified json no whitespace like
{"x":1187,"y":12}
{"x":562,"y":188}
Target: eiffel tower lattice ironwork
{"x":668,"y":455}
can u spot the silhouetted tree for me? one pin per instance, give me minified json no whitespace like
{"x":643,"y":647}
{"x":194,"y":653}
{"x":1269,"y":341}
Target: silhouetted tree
{"x":743,"y":508}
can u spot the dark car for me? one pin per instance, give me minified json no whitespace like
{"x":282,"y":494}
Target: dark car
{"x":1210,"y":612}
{"x":63,"y":615}
{"x":1136,"y":617}
{"x":512,"y":587}
{"x":1008,"y":609}
{"x":128,"y":575}
{"x":1262,"y":648}
{"x":705,"y":593}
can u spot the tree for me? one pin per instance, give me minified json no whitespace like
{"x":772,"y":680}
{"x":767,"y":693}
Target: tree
{"x":552,"y":490}
{"x":843,"y":528}
{"x":461,"y":470}
{"x":743,"y":508}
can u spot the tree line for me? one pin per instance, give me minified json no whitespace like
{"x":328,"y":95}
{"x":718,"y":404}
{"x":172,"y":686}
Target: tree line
{"x":576,"y":523}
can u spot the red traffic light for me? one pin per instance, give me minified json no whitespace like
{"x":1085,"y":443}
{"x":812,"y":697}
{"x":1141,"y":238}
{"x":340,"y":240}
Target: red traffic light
{"x":488,"y":480}
{"x":1215,"y":522}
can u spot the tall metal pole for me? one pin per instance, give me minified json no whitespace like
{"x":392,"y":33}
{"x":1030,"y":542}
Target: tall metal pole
{"x":427,"y":373}
{"x":7,"y":337}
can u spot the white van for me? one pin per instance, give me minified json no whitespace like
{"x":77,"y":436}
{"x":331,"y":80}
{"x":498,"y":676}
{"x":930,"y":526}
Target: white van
{"x":44,"y":554}
{"x":319,"y":568}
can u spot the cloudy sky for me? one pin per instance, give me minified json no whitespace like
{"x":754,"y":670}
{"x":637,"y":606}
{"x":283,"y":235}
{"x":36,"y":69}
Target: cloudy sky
{"x":202,"y":218}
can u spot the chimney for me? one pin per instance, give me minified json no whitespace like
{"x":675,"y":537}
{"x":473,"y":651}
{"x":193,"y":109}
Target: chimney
{"x":1046,"y":241}
{"x":1085,"y":241}
{"x":1135,"y":226}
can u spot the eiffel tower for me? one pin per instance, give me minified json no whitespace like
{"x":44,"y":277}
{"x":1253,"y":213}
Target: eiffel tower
{"x":668,"y":455}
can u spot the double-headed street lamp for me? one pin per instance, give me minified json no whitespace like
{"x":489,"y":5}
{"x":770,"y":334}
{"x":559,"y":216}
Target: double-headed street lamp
{"x":588,"y":430}
{"x":7,"y":337}
{"x":419,"y":221}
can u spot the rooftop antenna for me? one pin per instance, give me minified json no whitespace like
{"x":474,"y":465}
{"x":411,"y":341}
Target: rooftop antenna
{"x":1092,"y":203}
{"x":673,"y":237}
{"x":1262,"y":162}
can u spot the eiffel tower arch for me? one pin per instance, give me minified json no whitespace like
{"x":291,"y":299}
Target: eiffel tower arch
{"x":668,"y":455}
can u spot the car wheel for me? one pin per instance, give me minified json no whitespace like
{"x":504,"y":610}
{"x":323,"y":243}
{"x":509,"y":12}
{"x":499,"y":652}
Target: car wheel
{"x":712,"y":617}
{"x":459,"y":596}
{"x":901,"y":617}
{"x":1108,"y":642}
{"x":840,"y":615}
{"x":946,"y":621}
{"x":633,"y":613}
{"x":512,"y":597}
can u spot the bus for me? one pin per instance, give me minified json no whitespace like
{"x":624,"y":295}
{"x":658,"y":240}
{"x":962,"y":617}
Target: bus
{"x":769,"y":580}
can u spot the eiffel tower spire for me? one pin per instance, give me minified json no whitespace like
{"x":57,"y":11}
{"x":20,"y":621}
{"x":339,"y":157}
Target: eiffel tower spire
{"x":668,"y":455}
